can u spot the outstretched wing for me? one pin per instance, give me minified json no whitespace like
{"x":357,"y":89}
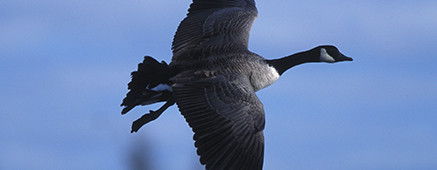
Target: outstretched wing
{"x":226,"y":117}
{"x":213,"y":26}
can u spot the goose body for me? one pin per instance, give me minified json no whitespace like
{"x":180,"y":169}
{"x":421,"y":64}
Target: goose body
{"x":213,"y":78}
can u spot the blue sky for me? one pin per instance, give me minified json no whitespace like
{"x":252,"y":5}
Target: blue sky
{"x":65,"y":65}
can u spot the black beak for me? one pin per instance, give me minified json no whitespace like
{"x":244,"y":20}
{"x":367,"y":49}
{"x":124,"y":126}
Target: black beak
{"x":342,"y":57}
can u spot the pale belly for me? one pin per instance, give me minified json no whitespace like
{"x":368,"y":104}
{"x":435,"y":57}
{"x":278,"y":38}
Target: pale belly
{"x":263,"y":77}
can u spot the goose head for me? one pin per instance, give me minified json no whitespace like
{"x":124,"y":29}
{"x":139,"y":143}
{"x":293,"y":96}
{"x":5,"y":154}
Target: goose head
{"x":323,"y":53}
{"x":329,"y":54}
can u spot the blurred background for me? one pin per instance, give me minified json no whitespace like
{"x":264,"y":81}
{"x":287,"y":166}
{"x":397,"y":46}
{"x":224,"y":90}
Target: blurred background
{"x":65,"y":65}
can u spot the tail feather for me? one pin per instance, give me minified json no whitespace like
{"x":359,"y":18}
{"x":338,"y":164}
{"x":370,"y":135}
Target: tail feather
{"x":150,"y":74}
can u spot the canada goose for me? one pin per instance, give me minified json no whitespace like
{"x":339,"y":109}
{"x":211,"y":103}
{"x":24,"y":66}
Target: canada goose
{"x":213,"y":78}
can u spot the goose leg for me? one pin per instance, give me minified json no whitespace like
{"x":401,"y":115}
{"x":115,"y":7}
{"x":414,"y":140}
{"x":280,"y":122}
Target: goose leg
{"x":152,"y":115}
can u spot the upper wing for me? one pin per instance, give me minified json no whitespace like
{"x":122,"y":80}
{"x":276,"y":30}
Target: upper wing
{"x":213,"y":26}
{"x":227,"y":118}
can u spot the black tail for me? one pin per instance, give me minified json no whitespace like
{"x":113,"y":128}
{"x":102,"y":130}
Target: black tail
{"x":149,"y":75}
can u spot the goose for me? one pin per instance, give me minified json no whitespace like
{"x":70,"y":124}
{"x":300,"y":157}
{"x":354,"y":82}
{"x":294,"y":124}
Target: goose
{"x":212,"y":78}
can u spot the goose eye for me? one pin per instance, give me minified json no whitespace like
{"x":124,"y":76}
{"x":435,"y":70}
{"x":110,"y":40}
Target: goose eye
{"x":332,"y":52}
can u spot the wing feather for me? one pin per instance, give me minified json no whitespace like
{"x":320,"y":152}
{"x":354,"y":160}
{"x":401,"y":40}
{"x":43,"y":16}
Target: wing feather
{"x":227,"y":119}
{"x":213,"y":27}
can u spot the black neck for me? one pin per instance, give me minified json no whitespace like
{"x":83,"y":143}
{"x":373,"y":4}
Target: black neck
{"x":283,"y":64}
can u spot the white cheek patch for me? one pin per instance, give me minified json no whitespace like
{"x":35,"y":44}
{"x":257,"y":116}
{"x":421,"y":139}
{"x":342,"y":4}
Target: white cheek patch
{"x":325,"y":57}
